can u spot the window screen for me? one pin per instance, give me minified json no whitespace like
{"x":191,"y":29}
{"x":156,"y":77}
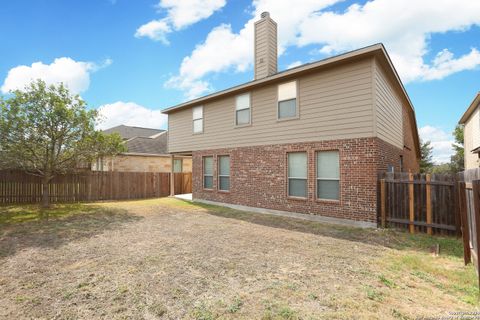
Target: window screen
{"x":242,"y":109}
{"x":297,"y":174}
{"x":208,"y":172}
{"x":287,"y":100}
{"x":197,"y":119}
{"x":224,"y":173}
{"x":328,"y":175}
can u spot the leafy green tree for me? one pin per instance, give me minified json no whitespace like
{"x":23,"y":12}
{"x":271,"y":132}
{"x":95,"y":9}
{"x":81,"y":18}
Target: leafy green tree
{"x":426,"y":162}
{"x":443,"y":168}
{"x":457,"y":160}
{"x":45,"y":130}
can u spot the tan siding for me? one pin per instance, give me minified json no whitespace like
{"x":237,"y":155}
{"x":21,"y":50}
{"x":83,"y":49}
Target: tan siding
{"x":388,"y":106}
{"x":472,"y":139}
{"x":265,"y":48}
{"x":334,"y":104}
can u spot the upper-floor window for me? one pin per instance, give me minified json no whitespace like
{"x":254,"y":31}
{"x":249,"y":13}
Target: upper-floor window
{"x":328,"y":175}
{"x":197,"y":119}
{"x":224,"y":173}
{"x":208,"y":172}
{"x":297,"y":174}
{"x":242,"y":109}
{"x":287,"y":100}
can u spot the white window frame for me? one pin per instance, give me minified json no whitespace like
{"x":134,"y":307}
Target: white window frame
{"x":223,"y":175}
{"x":207,"y":175}
{"x":279,"y":99}
{"x":181,"y":165}
{"x":200,"y":118}
{"x":317,"y":178}
{"x":249,"y":110}
{"x":297,"y":178}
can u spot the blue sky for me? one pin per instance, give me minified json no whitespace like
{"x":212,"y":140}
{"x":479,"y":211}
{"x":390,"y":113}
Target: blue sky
{"x":133,"y":58}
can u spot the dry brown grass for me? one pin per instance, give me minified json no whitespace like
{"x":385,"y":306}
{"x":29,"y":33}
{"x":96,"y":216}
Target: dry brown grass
{"x":168,"y":259}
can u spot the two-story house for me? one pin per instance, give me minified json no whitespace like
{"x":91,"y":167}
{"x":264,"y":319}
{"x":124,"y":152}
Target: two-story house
{"x":309,"y":140}
{"x":471,"y":121}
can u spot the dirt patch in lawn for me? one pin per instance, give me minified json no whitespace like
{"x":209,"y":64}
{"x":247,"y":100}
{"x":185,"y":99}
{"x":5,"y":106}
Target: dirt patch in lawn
{"x":168,"y":259}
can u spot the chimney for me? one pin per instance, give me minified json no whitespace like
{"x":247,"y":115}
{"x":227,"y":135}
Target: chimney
{"x":265,"y":47}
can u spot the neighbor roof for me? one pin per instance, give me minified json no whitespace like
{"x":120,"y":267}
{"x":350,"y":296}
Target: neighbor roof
{"x":470,"y":109}
{"x":376,"y":50}
{"x":157,"y":145}
{"x":128,"y":132}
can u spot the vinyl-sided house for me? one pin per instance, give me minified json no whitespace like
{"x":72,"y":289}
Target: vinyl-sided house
{"x":471,"y":121}
{"x":310,"y":140}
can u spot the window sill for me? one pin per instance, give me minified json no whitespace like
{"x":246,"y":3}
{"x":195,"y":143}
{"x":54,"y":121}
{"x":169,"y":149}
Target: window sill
{"x":297,"y":198}
{"x":197,"y":133}
{"x":209,"y":190}
{"x":238,"y":126}
{"x":223,"y":191}
{"x":327,"y":201}
{"x":288,"y":119}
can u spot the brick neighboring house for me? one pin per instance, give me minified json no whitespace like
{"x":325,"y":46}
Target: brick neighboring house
{"x":471,"y":121}
{"x":309,"y":140}
{"x":146,"y":152}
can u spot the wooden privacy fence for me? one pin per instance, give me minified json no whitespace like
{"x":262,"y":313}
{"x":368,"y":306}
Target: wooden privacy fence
{"x":469,"y":207}
{"x":419,"y":202}
{"x":20,"y":187}
{"x":182,"y":182}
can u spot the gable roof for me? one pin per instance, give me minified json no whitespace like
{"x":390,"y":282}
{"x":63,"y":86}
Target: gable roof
{"x":471,"y":108}
{"x":128,"y":132}
{"x":377,"y":50}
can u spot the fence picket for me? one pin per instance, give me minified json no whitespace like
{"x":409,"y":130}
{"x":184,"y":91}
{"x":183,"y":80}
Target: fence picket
{"x":420,"y":203}
{"x":20,"y":187}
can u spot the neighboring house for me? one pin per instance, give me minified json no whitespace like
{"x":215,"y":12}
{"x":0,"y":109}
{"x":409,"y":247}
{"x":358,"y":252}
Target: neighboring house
{"x":471,"y":121}
{"x":311,"y":139}
{"x":146,"y":152}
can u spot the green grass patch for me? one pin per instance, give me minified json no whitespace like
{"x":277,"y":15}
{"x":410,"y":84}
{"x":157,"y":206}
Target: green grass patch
{"x":202,"y":312}
{"x":236,"y":305}
{"x":27,"y":213}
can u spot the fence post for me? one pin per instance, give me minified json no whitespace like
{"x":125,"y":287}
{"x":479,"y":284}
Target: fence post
{"x":429,"y":203}
{"x":476,"y":212}
{"x":462,"y":201}
{"x":411,"y":202}
{"x":382,"y":203}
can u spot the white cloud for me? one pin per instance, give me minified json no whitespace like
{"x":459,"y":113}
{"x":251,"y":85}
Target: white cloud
{"x":404,"y":26}
{"x":405,"y":35}
{"x":131,"y":114}
{"x":441,"y":142}
{"x":155,"y":30}
{"x":213,"y":55}
{"x":180,"y":14}
{"x":294,"y":64}
{"x":74,"y":74}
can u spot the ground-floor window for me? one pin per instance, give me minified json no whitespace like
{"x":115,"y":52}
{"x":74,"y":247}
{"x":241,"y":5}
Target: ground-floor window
{"x":177,"y":165}
{"x":208,"y":172}
{"x":328,"y":175}
{"x":297,"y":174}
{"x":224,"y":173}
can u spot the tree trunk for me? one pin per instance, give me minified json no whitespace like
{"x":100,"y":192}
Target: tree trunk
{"x":45,"y":193}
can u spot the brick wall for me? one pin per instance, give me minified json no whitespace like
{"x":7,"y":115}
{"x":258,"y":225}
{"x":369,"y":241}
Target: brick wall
{"x":258,"y":177}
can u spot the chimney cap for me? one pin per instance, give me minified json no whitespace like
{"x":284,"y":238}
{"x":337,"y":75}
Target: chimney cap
{"x":265,"y":14}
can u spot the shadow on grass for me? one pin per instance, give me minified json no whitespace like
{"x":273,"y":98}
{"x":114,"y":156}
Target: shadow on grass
{"x":29,"y":226}
{"x":391,"y":238}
